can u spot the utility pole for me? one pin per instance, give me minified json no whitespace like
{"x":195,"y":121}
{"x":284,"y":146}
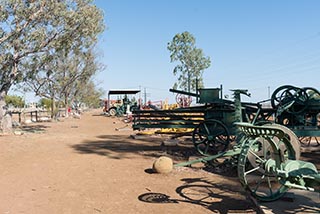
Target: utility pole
{"x":140,"y":101}
{"x":145,"y":96}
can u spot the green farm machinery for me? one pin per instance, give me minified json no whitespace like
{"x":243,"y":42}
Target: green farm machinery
{"x":268,"y":162}
{"x":122,"y":104}
{"x":267,"y":139}
{"x":299,"y":110}
{"x":211,"y":122}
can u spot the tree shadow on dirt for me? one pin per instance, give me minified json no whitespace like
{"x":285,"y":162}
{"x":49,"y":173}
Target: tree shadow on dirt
{"x":289,"y":206}
{"x":33,"y":128}
{"x":99,"y":115}
{"x":121,"y":146}
{"x":216,"y":197}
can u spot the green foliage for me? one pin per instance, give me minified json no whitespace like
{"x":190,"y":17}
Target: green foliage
{"x":15,"y":101}
{"x":45,"y":103}
{"x":89,"y":95}
{"x":192,"y":61}
{"x":33,"y":32}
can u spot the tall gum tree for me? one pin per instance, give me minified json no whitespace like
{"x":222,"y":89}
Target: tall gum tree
{"x":72,"y":73}
{"x":30,"y":31}
{"x":192,"y":61}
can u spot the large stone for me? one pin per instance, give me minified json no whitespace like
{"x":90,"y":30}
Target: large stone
{"x":170,"y":142}
{"x":163,"y":165}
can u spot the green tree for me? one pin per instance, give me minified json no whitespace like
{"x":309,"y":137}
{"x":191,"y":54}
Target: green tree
{"x":46,"y":103}
{"x":72,"y":72}
{"x":15,"y":101}
{"x":192,"y":61}
{"x":32,"y":31}
{"x":89,"y":95}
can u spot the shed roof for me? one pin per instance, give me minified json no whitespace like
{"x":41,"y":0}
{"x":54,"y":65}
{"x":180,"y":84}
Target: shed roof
{"x":123,"y":91}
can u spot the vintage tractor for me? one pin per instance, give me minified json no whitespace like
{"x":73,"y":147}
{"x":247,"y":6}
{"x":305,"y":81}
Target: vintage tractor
{"x":211,"y":120}
{"x":122,"y":105}
{"x":267,"y":154}
{"x":267,"y":149}
{"x":298,"y":109}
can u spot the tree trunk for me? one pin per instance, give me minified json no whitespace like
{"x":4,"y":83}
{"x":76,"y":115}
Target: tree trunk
{"x":189,"y":81}
{"x":5,"y":115}
{"x":66,"y":104}
{"x":53,"y":109}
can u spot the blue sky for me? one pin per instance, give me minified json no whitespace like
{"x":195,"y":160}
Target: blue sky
{"x":254,"y":45}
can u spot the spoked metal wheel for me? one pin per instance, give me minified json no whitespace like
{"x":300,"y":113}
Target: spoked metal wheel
{"x":211,"y":137}
{"x":276,"y":95}
{"x":258,"y":163}
{"x":294,"y":142}
{"x":292,"y":99}
{"x":183,"y":101}
{"x":310,"y":141}
{"x":112,"y":112}
{"x":312,"y":92}
{"x":296,"y":98}
{"x":293,"y":152}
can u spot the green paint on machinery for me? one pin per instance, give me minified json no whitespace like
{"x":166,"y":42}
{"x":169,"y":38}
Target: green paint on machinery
{"x":267,"y":164}
{"x":212,"y":120}
{"x":119,"y":107}
{"x":298,"y":109}
{"x":268,"y":139}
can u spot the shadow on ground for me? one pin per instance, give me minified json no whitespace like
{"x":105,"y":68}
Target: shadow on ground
{"x":216,"y":197}
{"x":34,"y":128}
{"x":121,"y":146}
{"x":295,"y":201}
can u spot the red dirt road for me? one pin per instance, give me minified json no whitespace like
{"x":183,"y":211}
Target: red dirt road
{"x":87,"y":166}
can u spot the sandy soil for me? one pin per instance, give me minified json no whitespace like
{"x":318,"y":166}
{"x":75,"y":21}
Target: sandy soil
{"x":92,"y":165}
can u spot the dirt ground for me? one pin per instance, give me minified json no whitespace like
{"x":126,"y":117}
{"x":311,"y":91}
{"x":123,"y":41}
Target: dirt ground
{"x":92,"y":165}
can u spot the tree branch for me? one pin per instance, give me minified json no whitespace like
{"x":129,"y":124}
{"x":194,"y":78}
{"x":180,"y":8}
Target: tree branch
{"x":19,"y":29}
